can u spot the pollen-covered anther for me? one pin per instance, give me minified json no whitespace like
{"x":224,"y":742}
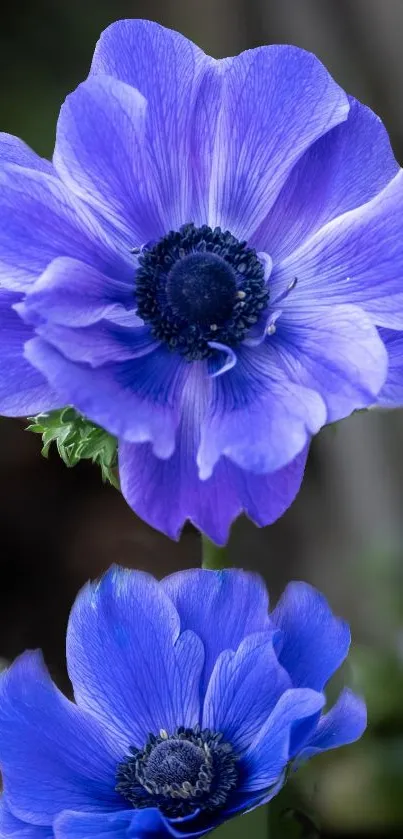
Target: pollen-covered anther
{"x":179,"y":773}
{"x":197,"y":285}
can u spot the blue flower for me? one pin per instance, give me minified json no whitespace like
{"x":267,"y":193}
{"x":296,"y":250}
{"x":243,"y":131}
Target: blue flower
{"x":202,"y":270}
{"x":192,"y":701}
{"x":391,"y":394}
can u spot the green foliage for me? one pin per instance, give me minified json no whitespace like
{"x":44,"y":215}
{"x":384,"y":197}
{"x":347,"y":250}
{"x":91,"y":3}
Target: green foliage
{"x":77,"y":439}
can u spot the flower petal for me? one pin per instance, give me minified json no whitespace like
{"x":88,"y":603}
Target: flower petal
{"x":344,"y":723}
{"x":342,"y":170}
{"x":336,"y":351}
{"x":100,"y":343}
{"x":128,"y":824}
{"x":244,"y":688}
{"x":357,"y":259}
{"x":315,"y":642}
{"x":127,"y":661}
{"x":277,"y":101}
{"x":72,"y":293}
{"x":246,"y":801}
{"x":391,"y":395}
{"x":221,"y":607}
{"x":136,"y":399}
{"x":211,"y":505}
{"x":178,"y":82}
{"x":71,"y":825}
{"x":23,"y":390}
{"x":259,"y":418}
{"x":46,"y":740}
{"x":13,"y":828}
{"x":14,"y":150}
{"x":100,"y":155}
{"x":269,"y":753}
{"x":41,"y":221}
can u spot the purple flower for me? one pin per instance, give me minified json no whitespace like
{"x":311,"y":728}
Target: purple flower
{"x":192,"y":701}
{"x":202,"y":270}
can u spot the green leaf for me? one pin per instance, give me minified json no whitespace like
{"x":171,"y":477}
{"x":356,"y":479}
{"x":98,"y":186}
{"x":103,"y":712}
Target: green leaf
{"x":76,"y":439}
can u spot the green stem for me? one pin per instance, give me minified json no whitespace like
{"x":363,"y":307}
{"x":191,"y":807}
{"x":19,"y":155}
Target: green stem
{"x":213,"y":557}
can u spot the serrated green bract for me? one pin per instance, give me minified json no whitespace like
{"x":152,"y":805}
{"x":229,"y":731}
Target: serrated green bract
{"x":77,"y":439}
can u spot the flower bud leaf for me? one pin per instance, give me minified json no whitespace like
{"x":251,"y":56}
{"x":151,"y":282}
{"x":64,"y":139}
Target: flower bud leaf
{"x":77,"y":439}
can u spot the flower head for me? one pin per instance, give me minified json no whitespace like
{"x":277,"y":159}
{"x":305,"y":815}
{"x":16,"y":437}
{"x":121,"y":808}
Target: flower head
{"x":202,"y":270}
{"x":191,"y":702}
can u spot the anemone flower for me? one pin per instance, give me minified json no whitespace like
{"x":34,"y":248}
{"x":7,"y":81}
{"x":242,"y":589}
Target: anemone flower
{"x":201,"y":270}
{"x":192,"y":701}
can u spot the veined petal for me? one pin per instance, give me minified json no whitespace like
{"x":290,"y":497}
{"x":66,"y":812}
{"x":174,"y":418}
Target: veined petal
{"x":43,"y":220}
{"x":336,"y":351}
{"x":14,"y":150}
{"x":128,"y":824}
{"x":129,"y":663}
{"x":276,"y":102}
{"x":137,"y":399}
{"x":315,"y":642}
{"x":13,"y":828}
{"x":71,"y":825}
{"x":211,"y":505}
{"x":344,"y":723}
{"x":391,"y":395}
{"x":100,"y":343}
{"x":247,"y":801}
{"x":100,"y":155}
{"x":23,"y":390}
{"x":259,"y":418}
{"x":355,"y":259}
{"x":234,"y":602}
{"x":342,"y":170}
{"x":243,"y":689}
{"x":269,"y":753}
{"x":76,"y":294}
{"x":180,"y":85}
{"x":67,"y":758}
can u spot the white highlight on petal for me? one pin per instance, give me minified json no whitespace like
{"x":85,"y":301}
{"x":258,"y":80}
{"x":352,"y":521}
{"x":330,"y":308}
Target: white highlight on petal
{"x":228,"y":364}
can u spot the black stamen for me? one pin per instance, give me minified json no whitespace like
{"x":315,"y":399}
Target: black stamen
{"x":179,"y":773}
{"x":198,"y":285}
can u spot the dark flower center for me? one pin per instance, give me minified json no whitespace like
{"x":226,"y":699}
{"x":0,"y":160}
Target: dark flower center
{"x":197,"y":286}
{"x":192,"y":769}
{"x":202,"y":287}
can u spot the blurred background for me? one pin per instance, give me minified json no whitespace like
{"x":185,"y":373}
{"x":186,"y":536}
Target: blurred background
{"x":345,"y":531}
